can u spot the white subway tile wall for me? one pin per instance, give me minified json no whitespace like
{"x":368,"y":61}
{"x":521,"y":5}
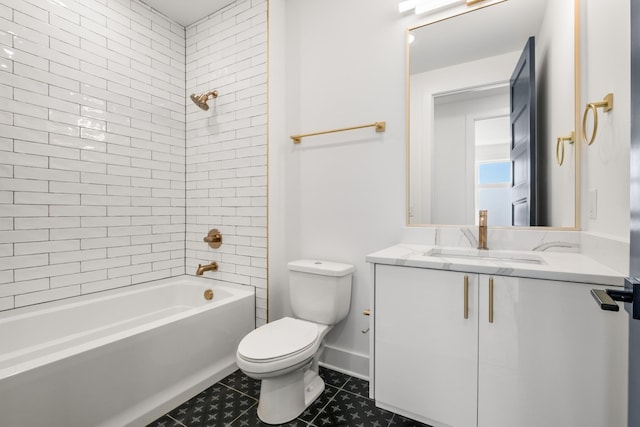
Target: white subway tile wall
{"x":92,"y":156}
{"x":226,"y":146}
{"x":103,"y":180}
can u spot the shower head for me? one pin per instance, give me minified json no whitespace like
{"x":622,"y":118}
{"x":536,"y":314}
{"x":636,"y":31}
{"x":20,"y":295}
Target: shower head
{"x":201,"y":100}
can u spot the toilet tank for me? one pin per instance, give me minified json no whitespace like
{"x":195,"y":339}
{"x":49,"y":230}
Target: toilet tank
{"x":320,"y":291}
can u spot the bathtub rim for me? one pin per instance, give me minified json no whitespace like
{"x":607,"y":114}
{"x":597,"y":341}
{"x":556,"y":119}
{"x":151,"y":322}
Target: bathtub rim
{"x":237,"y":292}
{"x":110,"y":293}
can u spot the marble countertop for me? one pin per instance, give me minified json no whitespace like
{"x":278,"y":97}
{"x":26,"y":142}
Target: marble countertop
{"x":563,"y":266}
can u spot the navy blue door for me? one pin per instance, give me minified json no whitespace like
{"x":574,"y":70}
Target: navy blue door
{"x":523,"y":138}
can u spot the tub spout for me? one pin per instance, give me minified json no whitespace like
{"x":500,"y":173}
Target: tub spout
{"x":209,"y":267}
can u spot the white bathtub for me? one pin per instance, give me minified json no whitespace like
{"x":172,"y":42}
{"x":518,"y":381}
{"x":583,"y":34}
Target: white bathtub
{"x":119,"y":358}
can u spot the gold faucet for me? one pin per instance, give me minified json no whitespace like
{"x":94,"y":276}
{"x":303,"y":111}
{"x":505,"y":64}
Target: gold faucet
{"x":209,"y":267}
{"x":482,"y":230}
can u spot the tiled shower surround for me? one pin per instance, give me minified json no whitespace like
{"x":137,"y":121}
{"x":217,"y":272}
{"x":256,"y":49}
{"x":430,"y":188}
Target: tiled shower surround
{"x":109,"y":175}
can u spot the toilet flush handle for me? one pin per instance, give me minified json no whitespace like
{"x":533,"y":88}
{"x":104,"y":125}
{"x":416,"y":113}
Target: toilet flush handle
{"x":366,"y":312}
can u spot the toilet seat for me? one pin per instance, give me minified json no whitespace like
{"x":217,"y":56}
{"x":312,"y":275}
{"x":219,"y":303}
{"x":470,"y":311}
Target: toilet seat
{"x":279,"y":345}
{"x":277,"y":340}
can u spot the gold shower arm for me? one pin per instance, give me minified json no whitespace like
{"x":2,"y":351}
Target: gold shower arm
{"x":211,"y":93}
{"x":380,"y":127}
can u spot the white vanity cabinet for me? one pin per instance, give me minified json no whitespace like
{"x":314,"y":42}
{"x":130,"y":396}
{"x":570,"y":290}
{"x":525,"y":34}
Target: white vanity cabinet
{"x":425,"y":350}
{"x":549,"y":357}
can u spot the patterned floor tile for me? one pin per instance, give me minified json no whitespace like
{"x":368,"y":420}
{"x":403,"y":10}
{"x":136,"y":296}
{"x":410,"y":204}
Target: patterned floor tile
{"x":357,"y":386}
{"x":333,"y":378}
{"x":233,"y":402}
{"x":250,"y":419}
{"x":165,"y":421}
{"x":347,"y":409}
{"x":315,"y":408}
{"x":241,"y":382}
{"x":214,"y":407}
{"x":400,"y":421}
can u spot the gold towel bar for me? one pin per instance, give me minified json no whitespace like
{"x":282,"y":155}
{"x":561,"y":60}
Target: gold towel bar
{"x":380,"y":127}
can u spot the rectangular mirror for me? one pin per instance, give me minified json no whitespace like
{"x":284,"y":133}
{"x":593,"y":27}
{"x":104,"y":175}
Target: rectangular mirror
{"x":491,"y":92}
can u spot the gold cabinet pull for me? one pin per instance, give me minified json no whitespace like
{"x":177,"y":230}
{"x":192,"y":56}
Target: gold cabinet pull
{"x":466,"y":297}
{"x":491,"y":300}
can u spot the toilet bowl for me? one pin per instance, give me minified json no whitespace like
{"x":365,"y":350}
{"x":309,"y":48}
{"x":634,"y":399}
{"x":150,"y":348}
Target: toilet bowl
{"x":284,"y":354}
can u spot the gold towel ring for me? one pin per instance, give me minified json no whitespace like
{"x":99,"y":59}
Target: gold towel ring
{"x":606,"y":105}
{"x":560,"y":146}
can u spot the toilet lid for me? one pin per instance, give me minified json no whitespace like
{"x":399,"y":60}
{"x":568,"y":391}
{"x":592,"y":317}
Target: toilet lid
{"x":278,"y":339}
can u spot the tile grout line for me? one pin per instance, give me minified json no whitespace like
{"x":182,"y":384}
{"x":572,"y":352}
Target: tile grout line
{"x":343,"y":388}
{"x":241,"y":392}
{"x":238,"y":417}
{"x":246,"y":410}
{"x":181,"y":424}
{"x":393,"y":415}
{"x":310,"y":423}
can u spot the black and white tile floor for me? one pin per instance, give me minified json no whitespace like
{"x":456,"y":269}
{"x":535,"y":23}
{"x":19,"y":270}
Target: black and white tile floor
{"x":233,"y":402}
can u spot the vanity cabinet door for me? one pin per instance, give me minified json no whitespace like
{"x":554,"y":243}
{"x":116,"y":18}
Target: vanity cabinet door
{"x":550,"y":358}
{"x":425,"y":348}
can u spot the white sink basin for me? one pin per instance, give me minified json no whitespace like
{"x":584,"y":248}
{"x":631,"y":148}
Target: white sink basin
{"x":488,"y":254}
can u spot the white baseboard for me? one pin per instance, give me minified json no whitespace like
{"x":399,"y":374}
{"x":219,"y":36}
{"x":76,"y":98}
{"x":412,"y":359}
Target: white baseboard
{"x":354,"y":364}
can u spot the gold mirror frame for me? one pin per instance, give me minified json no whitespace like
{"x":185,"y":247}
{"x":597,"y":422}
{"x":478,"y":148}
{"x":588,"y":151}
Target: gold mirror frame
{"x":576,"y":124}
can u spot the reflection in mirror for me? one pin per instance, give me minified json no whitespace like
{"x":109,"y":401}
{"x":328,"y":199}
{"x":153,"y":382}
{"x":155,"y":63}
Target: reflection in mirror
{"x":461,"y":119}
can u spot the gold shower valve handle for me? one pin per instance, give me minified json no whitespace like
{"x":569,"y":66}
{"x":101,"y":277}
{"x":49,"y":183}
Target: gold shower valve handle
{"x":213,"y":238}
{"x":606,"y":105}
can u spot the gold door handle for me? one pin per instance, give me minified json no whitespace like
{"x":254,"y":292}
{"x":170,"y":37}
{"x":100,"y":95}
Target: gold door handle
{"x":466,"y":297}
{"x":491,"y":300}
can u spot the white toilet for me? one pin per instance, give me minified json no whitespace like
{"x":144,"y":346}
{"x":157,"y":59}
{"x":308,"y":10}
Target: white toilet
{"x":284,"y":354}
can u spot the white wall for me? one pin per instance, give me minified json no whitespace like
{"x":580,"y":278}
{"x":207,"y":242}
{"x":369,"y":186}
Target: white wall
{"x":92,"y":148}
{"x":227,"y":146}
{"x":339,"y":196}
{"x":606,"y":69}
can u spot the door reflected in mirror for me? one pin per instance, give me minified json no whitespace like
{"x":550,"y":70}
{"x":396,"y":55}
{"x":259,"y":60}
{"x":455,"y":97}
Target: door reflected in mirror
{"x":466,"y":131}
